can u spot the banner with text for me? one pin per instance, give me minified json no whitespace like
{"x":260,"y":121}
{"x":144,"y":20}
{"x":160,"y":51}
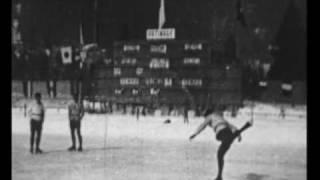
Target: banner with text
{"x":157,"y":34}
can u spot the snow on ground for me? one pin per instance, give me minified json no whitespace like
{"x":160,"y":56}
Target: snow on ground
{"x":120,"y":147}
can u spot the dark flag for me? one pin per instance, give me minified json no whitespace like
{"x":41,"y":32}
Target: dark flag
{"x":240,"y":14}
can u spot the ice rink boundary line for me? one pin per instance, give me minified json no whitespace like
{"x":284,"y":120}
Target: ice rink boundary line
{"x":257,"y":114}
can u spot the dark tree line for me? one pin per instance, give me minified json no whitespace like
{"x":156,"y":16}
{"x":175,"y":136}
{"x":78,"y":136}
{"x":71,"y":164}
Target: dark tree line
{"x":290,"y":58}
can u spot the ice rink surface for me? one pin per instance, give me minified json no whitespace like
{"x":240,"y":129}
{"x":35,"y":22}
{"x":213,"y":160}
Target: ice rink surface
{"x":119,"y":147}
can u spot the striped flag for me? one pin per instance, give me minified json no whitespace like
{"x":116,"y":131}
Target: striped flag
{"x":162,"y":17}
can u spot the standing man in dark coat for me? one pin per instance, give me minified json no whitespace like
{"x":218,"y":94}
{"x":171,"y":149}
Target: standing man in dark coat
{"x":76,"y":113}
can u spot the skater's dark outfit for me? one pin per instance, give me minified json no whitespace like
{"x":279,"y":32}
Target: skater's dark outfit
{"x":138,"y":112}
{"x":225,"y":132}
{"x":36,"y":113}
{"x":282,"y":113}
{"x":185,"y":116}
{"x":75,"y":116}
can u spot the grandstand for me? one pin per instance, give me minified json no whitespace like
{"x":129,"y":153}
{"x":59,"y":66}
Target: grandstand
{"x":34,"y":70}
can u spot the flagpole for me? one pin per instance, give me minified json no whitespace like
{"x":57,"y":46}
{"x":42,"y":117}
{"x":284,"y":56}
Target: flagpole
{"x":80,"y":84}
{"x":161,"y":17}
{"x":95,"y":21}
{"x":81,"y":36}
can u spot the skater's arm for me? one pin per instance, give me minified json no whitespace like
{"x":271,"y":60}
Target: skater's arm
{"x":246,"y":126}
{"x":243,"y":128}
{"x":69,"y":112}
{"x":29,"y":110}
{"x":42,"y":114}
{"x":200,"y":128}
{"x":81,"y":112}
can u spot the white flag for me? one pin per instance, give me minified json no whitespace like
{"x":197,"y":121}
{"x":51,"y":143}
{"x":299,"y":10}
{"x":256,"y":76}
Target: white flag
{"x":266,"y":68}
{"x":81,"y":35}
{"x":66,"y":53}
{"x":162,"y":17}
{"x":263,"y":83}
{"x":286,"y":86}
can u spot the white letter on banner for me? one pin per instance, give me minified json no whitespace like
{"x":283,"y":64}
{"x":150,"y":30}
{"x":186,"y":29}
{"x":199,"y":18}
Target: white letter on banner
{"x":149,"y":81}
{"x":139,"y":71}
{"x":154,"y":91}
{"x":159,"y":63}
{"x":116,"y":71}
{"x":193,"y":46}
{"x":161,"y":48}
{"x":191,"y":82}
{"x":191,"y":61}
{"x":118,"y":91}
{"x":131,"y":48}
{"x":167,"y":82}
{"x":129,"y":81}
{"x":134,"y":91}
{"x":129,"y":61}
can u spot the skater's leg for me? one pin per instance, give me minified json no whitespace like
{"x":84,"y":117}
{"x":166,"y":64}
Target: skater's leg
{"x":38,"y":133}
{"x":73,"y":138}
{"x":223,"y":148}
{"x":32,"y":135}
{"x":243,"y":128}
{"x":79,"y":138}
